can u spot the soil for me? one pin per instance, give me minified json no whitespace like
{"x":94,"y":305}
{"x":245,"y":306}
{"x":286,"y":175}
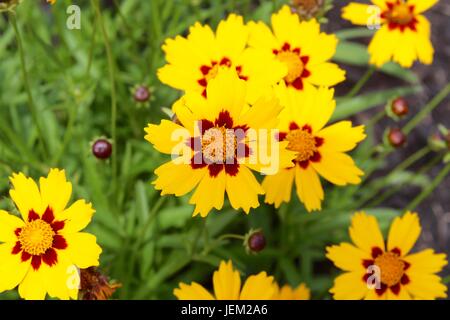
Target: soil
{"x":434,"y":211}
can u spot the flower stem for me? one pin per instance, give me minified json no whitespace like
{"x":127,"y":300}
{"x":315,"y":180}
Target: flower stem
{"x":427,"y":109}
{"x":31,"y":105}
{"x":361,"y":82}
{"x":111,"y":69}
{"x":426,"y":192}
{"x":232,"y":236}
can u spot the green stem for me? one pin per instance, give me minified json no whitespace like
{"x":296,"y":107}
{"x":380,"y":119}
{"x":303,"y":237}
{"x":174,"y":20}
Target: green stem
{"x":361,"y":82}
{"x":31,"y":105}
{"x":426,"y":192}
{"x":400,"y":167}
{"x":390,"y":192}
{"x":376,"y":118}
{"x":91,"y":49}
{"x":111,"y":69}
{"x":231,"y":236}
{"x":426,"y":110}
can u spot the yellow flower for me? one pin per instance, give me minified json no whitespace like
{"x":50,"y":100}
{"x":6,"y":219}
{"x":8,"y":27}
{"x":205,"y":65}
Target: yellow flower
{"x":227,"y":286}
{"x":195,"y":60}
{"x":51,"y":1}
{"x":42,"y":251}
{"x":301,"y":46}
{"x":320,"y":150}
{"x":373,"y":271}
{"x":404,"y":33}
{"x":302,"y":292}
{"x":219,"y":139}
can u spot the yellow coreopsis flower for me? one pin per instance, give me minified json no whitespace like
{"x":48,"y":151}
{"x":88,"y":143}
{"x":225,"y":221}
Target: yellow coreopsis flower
{"x":51,"y":1}
{"x":195,"y":60}
{"x":42,"y":251}
{"x":374,"y":270}
{"x":404,"y":33}
{"x":321,"y":151}
{"x":301,"y":292}
{"x":301,"y":47}
{"x":227,"y":286}
{"x":215,"y":143}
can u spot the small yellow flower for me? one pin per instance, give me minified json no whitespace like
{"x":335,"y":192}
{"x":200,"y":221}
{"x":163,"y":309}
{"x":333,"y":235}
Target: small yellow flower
{"x":375,"y":271}
{"x":321,"y":151}
{"x":216,"y":142}
{"x":195,"y":60}
{"x":301,"y":47}
{"x":51,"y":1}
{"x":42,"y":251}
{"x":227,"y":286}
{"x":301,"y":292}
{"x":404,"y":34}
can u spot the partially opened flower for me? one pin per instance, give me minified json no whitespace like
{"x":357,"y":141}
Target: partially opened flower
{"x":404,"y":33}
{"x":375,"y":270}
{"x":41,"y":252}
{"x":227,"y":286}
{"x":301,"y":292}
{"x":321,"y":150}
{"x":195,"y":60}
{"x":301,"y":47}
{"x":219,"y":139}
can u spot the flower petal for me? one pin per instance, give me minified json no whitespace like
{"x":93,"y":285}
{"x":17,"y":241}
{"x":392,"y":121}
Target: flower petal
{"x":284,"y":22}
{"x":83,"y":250}
{"x":278,"y":187}
{"x":8,"y":225}
{"x":177,"y":179}
{"x":359,"y":14}
{"x":341,"y":136}
{"x":194,"y":291}
{"x":209,"y":194}
{"x":25,"y":194}
{"x":33,"y":286}
{"x":12,"y":269}
{"x":347,"y":257}
{"x":349,"y":286}
{"x":77,"y":216}
{"x":426,"y":286}
{"x":309,"y":188}
{"x":325,"y":74}
{"x":227,"y":282}
{"x":365,"y":232}
{"x":243,"y":190}
{"x":338,"y":168}
{"x":232,"y":36}
{"x":55,"y":191}
{"x":404,"y":233}
{"x":426,"y":261}
{"x":167,"y":137}
{"x":259,"y":287}
{"x":422,"y":5}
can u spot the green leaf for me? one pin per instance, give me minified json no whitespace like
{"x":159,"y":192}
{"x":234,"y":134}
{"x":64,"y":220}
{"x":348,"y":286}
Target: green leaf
{"x":347,"y":107}
{"x":174,"y":217}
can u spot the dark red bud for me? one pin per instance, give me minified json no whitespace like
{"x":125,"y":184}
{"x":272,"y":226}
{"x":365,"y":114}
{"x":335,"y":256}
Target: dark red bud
{"x":102,"y":149}
{"x":142,"y":94}
{"x":400,"y":107}
{"x":257,"y":242}
{"x":396,"y":138}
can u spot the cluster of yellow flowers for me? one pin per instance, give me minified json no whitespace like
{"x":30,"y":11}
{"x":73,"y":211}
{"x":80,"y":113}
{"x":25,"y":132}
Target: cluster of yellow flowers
{"x":251,"y":76}
{"x":255,"y":99}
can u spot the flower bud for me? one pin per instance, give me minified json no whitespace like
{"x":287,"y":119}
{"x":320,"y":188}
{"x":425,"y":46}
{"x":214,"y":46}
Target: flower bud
{"x":102,"y":149}
{"x":396,"y":137}
{"x":307,"y":9}
{"x":400,"y":107}
{"x":255,"y":241}
{"x":141,"y":94}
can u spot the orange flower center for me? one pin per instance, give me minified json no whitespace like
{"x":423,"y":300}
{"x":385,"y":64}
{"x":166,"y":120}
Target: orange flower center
{"x":213,"y":72}
{"x":400,"y":14}
{"x":294,"y":64}
{"x":391,"y":268}
{"x":219,"y":145}
{"x":303,"y":142}
{"x":36,"y":237}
